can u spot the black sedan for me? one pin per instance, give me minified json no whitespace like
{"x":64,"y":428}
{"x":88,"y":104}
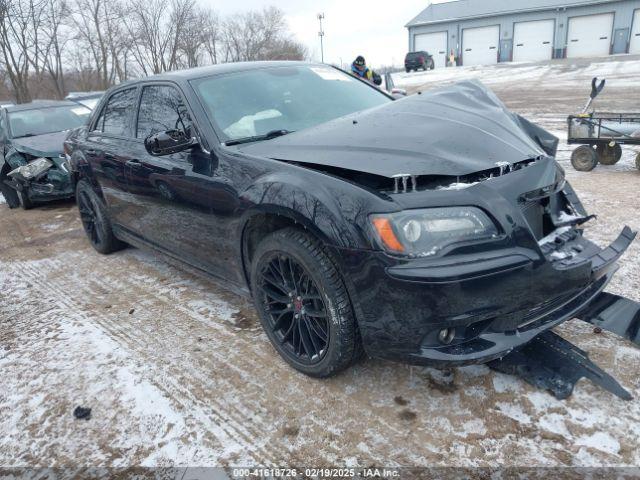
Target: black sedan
{"x":435,"y":229}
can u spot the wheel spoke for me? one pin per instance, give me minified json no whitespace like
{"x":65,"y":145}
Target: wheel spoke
{"x":312,"y":336}
{"x":317,"y":329}
{"x":305,"y":340}
{"x":315,"y":313}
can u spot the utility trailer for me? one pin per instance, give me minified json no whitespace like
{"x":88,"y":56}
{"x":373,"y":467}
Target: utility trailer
{"x":601,"y":135}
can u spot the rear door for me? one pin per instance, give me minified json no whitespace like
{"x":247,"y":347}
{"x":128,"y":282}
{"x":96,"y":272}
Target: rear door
{"x":480,"y":45}
{"x":634,"y":42}
{"x":533,"y":41}
{"x":107,"y":149}
{"x":590,"y":36}
{"x":435,"y":44}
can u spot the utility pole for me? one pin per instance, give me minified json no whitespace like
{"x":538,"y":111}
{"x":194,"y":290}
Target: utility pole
{"x":321,"y":35}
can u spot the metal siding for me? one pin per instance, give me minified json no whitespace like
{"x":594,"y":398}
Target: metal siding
{"x":624,"y":13}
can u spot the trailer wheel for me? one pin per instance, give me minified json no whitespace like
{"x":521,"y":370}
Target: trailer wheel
{"x":608,"y":155}
{"x":584,"y":158}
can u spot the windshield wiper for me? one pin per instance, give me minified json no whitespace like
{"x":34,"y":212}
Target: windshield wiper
{"x":27,"y":135}
{"x":257,"y":138}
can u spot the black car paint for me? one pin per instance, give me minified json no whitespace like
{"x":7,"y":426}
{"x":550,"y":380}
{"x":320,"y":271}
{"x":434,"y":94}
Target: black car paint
{"x":230,"y":197}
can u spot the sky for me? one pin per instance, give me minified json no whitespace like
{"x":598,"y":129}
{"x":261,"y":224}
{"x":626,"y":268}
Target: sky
{"x":352,"y":27}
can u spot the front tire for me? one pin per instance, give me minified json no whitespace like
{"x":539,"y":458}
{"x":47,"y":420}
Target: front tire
{"x":638,"y":161}
{"x":303,"y":304}
{"x":584,"y":158}
{"x":95,"y":219}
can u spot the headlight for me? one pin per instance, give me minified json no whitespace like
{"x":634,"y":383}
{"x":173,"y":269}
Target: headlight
{"x":33,"y":168}
{"x":422,"y":233}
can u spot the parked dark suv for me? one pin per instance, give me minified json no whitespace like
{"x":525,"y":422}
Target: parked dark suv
{"x":418,"y":61}
{"x":355,"y":221}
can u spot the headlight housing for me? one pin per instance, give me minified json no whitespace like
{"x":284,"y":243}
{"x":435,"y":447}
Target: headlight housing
{"x":33,"y":169}
{"x":422,"y":233}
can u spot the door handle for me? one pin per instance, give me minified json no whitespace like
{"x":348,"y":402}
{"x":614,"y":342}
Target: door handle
{"x":90,"y":151}
{"x":133,"y":163}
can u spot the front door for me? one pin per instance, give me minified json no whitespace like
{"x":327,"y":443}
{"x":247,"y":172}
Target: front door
{"x":179,"y":203}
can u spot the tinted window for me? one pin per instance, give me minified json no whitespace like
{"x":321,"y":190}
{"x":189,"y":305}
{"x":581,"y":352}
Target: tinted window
{"x":38,"y":121}
{"x":161,"y":109}
{"x":282,"y":98}
{"x":115,"y":118}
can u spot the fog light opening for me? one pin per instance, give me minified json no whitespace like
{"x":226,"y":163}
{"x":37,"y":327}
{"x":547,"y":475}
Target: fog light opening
{"x":446,"y":335}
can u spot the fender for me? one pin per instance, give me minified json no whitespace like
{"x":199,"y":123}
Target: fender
{"x":308,"y":203}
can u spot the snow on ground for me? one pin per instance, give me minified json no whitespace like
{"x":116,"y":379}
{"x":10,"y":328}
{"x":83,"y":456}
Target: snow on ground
{"x":2,"y":200}
{"x":178,"y":372}
{"x":560,"y":73}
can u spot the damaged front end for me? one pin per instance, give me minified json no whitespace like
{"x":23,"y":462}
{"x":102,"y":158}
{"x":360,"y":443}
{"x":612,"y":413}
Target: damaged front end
{"x":37,"y":179}
{"x":477,"y":246}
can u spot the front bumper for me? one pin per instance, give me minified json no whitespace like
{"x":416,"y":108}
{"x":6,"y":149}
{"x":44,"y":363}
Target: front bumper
{"x":494,"y":304}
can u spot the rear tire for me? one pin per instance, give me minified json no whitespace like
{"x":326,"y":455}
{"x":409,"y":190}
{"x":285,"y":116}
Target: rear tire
{"x":95,"y":219}
{"x":638,"y":161}
{"x":608,"y":155}
{"x":292,"y":274}
{"x":432,"y":64}
{"x":584,"y":158}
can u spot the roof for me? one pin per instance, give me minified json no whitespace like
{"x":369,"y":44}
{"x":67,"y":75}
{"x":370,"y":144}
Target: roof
{"x":37,"y":104}
{"x":463,"y":9}
{"x":219,"y":69}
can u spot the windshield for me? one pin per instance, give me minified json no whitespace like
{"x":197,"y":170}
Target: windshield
{"x":260,"y":101}
{"x":39,"y":121}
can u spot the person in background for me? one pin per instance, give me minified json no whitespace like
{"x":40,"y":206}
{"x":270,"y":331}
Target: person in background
{"x":359,"y":69}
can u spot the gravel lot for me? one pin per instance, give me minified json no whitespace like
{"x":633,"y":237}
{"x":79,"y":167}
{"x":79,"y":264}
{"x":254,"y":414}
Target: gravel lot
{"x":177,"y":370}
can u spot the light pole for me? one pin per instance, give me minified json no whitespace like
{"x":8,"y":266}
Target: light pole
{"x":321,"y":35}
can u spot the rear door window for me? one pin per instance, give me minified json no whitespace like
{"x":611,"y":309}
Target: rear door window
{"x":161,"y":109}
{"x":116,"y":116}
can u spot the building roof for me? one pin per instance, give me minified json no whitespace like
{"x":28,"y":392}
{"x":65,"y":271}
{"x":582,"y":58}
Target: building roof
{"x":463,"y":9}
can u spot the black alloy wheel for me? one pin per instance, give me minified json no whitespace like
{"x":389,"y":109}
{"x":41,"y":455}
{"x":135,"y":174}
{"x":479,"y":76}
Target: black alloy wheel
{"x":296,"y":312}
{"x":95,"y":220}
{"x":303,"y":303}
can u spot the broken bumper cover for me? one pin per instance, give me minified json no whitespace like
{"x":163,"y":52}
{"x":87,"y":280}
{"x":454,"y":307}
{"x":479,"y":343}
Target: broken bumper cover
{"x":493,"y":305}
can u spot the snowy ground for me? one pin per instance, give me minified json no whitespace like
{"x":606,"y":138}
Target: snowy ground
{"x":178,"y":372}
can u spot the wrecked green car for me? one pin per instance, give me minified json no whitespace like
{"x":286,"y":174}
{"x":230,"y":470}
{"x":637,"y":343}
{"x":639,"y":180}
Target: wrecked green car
{"x":33,"y":167}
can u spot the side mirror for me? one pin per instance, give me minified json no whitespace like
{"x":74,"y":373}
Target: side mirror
{"x":169,"y":142}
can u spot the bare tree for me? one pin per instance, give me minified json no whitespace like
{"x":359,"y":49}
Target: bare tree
{"x":19,"y":30}
{"x":260,"y":35}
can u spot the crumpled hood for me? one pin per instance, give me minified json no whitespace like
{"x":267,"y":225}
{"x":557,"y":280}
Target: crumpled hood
{"x":47,"y":145}
{"x":457,"y":130}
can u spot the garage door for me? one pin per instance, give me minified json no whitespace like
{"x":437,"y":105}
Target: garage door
{"x":480,"y":45}
{"x":589,"y":36}
{"x":533,"y":41}
{"x":634,"y":45}
{"x":435,"y":44}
